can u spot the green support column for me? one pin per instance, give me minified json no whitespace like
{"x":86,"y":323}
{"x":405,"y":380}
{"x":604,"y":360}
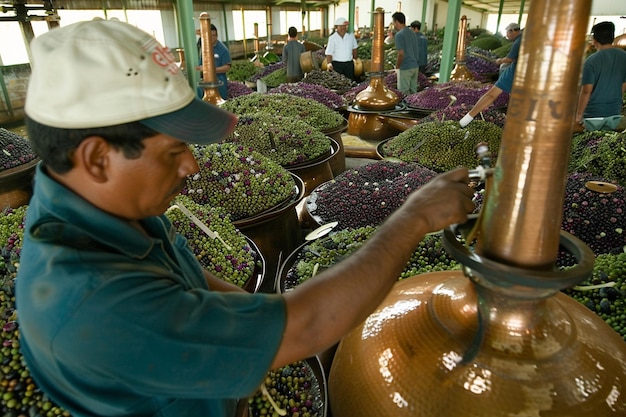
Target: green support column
{"x":499,"y":15}
{"x":351,"y":6}
{"x":184,"y":14}
{"x":521,"y":12}
{"x":424,"y":6}
{"x":226,"y":40}
{"x":372,"y":16}
{"x":449,"y":40}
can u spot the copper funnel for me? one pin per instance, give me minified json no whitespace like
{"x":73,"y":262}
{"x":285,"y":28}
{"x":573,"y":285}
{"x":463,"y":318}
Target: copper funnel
{"x":377,"y":96}
{"x":257,"y":42}
{"x":209,"y":82}
{"x":460,"y":71}
{"x":521,"y":217}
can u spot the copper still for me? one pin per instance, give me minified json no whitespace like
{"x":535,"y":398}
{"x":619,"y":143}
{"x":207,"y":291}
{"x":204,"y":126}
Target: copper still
{"x":460,"y":71}
{"x":499,"y":338}
{"x":209,"y":82}
{"x":362,"y":120}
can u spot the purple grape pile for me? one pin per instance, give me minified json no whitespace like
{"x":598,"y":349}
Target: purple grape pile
{"x":237,"y":88}
{"x":240,"y":180}
{"x":331,"y":80}
{"x":228,"y":256}
{"x":16,"y":150}
{"x":294,"y":388}
{"x":286,"y":141}
{"x":596,"y":218}
{"x":266,"y":70}
{"x":442,"y":146}
{"x":457,"y":112}
{"x":453,"y":93}
{"x":311,"y":91}
{"x":366,"y":195}
{"x":323,"y":253}
{"x":289,"y":106}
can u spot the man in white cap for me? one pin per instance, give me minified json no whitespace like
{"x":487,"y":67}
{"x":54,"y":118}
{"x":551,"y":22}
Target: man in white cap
{"x":341,"y":50}
{"x":117,"y":316}
{"x":512,"y":33}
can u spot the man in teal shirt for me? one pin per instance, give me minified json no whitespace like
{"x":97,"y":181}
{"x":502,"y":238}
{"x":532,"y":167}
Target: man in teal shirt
{"x":116,"y":315}
{"x":407,"y":59}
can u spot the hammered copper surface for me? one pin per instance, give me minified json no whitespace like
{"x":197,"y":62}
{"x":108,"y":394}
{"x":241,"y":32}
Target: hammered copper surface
{"x":522,"y":215}
{"x":209,"y":82}
{"x":460,"y":72}
{"x":540,"y":357}
{"x":367,"y":126}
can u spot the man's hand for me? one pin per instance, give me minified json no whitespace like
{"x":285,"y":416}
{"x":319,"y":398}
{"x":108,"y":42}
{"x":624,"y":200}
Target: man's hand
{"x":329,"y":66}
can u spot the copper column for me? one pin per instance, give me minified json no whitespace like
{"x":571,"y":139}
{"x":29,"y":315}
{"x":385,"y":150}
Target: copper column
{"x":460,"y":71}
{"x":521,"y":218}
{"x":209,"y":82}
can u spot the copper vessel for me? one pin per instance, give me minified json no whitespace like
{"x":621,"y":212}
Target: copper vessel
{"x":209,"y":82}
{"x":499,"y":339}
{"x":16,"y":185}
{"x":620,"y":41}
{"x":338,"y":161}
{"x":460,"y":71}
{"x":362,"y":119}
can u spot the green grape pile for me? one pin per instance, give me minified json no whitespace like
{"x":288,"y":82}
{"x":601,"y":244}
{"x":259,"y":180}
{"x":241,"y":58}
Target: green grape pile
{"x":240,"y":180}
{"x":321,"y":254}
{"x":12,"y":228}
{"x":604,"y":292}
{"x":229,"y":257}
{"x":276,"y":78}
{"x":442,"y":146}
{"x":241,"y":70}
{"x":330,"y":79}
{"x":601,"y":153}
{"x":294,"y":388}
{"x":286,"y":141}
{"x":289,"y":106}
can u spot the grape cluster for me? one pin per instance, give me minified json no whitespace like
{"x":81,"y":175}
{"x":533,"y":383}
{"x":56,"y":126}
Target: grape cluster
{"x":598,"y":219}
{"x":237,"y":88}
{"x":457,"y":112}
{"x":323,"y":253}
{"x":604,"y":292}
{"x":241,"y":70}
{"x":265,"y":71}
{"x":601,"y":153}
{"x":366,"y":195}
{"x":284,"y":140}
{"x":294,"y":388}
{"x":331,"y":80}
{"x":289,"y":106}
{"x":16,"y":150}
{"x":315,"y":92}
{"x":231,"y":258}
{"x":442,"y":146}
{"x":240,"y":180}
{"x":454,"y":92}
{"x":275,"y":78}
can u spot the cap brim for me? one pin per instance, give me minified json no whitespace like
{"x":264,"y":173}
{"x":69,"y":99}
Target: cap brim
{"x":198,"y":122}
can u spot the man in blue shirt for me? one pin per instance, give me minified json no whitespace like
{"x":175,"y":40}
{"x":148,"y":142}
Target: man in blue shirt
{"x":291,"y":56}
{"x":117,"y":317}
{"x":504,"y":83}
{"x":407,"y":58}
{"x":603,"y":82}
{"x":221,"y":57}
{"x":422,"y":45}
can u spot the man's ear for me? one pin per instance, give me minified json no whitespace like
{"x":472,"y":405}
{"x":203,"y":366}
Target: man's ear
{"x":92,"y":156}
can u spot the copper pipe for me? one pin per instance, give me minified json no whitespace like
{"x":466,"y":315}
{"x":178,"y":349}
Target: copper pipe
{"x":377,"y":96}
{"x":209,"y":75}
{"x":460,"y":71}
{"x":257,"y":42}
{"x":521,"y":218}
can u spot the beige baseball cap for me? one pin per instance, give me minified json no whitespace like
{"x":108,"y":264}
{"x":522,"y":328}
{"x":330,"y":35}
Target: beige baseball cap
{"x":102,"y":73}
{"x":341,"y":21}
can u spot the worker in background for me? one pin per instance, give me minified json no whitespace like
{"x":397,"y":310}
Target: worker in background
{"x":603,"y":82}
{"x":513,"y":32}
{"x":422,"y":45}
{"x":504,"y":83}
{"x":222,"y":60}
{"x":291,"y":56}
{"x":117,"y":316}
{"x":341,"y":50}
{"x":408,"y":55}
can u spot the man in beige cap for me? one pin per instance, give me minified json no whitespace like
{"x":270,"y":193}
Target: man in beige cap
{"x":117,"y":316}
{"x":512,"y":33}
{"x":341,"y":50}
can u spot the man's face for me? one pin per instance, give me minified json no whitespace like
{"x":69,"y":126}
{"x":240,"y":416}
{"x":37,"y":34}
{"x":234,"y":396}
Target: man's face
{"x":512,"y":34}
{"x":342,"y":29}
{"x":145,"y":186}
{"x":396,"y":25}
{"x":213,"y":37}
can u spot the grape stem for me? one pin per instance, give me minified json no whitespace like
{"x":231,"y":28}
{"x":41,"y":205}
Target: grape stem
{"x":594,"y":287}
{"x":280,"y":411}
{"x":202,"y":226}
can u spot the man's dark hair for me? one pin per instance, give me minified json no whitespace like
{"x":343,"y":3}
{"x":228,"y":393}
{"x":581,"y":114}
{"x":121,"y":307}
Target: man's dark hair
{"x":604,"y":33}
{"x":416,"y":24}
{"x":292,"y":32}
{"x":399,"y":17}
{"x":213,"y":27}
{"x":55,"y":145}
